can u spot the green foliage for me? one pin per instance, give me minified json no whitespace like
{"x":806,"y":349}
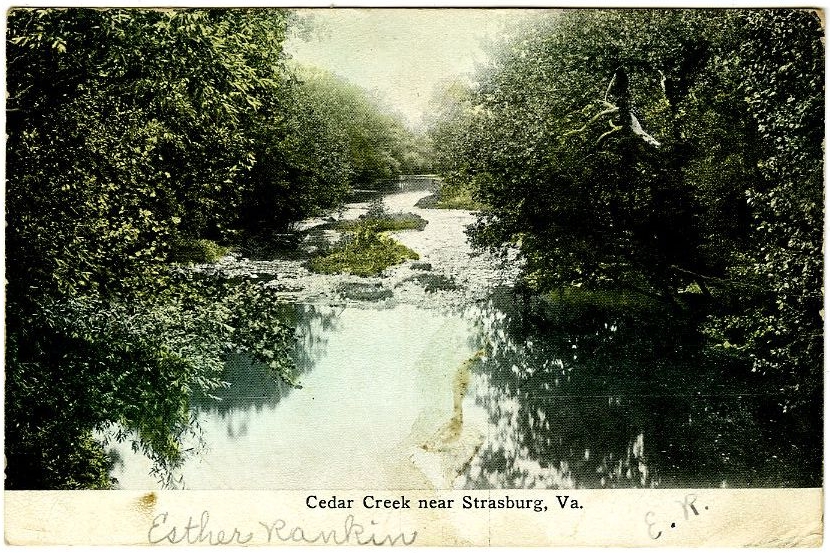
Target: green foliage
{"x":416,"y":153}
{"x":133,"y":132}
{"x":86,"y":363}
{"x":781,"y":327}
{"x":377,"y":146}
{"x":554,"y":153}
{"x":197,"y":251}
{"x":379,"y":218}
{"x":459,"y":196}
{"x":128,"y":130}
{"x":72,"y":462}
{"x":151,"y":107}
{"x":303,"y":166}
{"x":365,"y":252}
{"x":392,"y":222}
{"x":330,"y":136}
{"x":377,"y":210}
{"x":609,"y":301}
{"x":659,"y":151}
{"x":450,"y":127}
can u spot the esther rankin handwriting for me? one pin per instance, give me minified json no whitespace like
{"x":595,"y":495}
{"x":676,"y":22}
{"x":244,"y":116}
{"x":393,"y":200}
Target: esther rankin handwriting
{"x":194,"y":533}
{"x":352,"y":532}
{"x":198,"y":533}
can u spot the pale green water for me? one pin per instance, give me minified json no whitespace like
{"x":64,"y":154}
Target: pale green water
{"x":378,"y":385}
{"x":554,"y":399}
{"x":604,"y":405}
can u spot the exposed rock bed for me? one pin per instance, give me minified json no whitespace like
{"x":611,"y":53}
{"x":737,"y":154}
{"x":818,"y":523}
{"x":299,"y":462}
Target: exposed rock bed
{"x":449,"y":272}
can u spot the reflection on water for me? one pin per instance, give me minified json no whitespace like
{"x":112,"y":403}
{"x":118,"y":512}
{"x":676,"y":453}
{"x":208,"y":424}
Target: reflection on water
{"x":552,"y":399}
{"x":371,"y":379}
{"x":621,"y":402}
{"x":252,"y":385}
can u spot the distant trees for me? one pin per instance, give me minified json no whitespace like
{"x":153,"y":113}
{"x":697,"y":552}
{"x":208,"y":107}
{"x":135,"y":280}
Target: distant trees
{"x":129,"y":131}
{"x":454,"y":128}
{"x":378,"y":145}
{"x":665,"y":151}
{"x":328,"y":137}
{"x":303,"y":165}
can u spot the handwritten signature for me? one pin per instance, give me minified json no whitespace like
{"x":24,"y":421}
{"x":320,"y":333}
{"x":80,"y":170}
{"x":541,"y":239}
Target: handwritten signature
{"x":689,"y":510}
{"x":199,"y":532}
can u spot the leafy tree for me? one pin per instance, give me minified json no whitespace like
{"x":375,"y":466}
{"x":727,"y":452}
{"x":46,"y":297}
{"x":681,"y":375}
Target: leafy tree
{"x":375,"y":140}
{"x":583,"y":141}
{"x":126,"y":129}
{"x":417,"y":153}
{"x":303,"y":166}
{"x":329,"y":136}
{"x":86,"y":363}
{"x":780,"y":325}
{"x":457,"y":127}
{"x":674,"y":152}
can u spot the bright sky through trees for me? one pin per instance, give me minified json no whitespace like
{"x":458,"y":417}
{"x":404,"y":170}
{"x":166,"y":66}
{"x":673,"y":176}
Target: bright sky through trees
{"x":401,"y":54}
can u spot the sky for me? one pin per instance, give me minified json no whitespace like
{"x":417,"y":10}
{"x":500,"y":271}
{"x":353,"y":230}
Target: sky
{"x":402,"y":55}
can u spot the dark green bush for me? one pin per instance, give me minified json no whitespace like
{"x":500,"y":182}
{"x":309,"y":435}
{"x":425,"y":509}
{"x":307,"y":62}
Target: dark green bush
{"x":197,"y":251}
{"x":365,"y":252}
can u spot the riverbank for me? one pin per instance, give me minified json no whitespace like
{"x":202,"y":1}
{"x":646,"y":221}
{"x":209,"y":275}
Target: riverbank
{"x":435,"y":374}
{"x":386,"y":358}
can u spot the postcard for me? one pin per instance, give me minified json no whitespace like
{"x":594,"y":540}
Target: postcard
{"x":401,"y":277}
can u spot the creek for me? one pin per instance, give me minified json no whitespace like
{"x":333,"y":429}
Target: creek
{"x":438,"y":375}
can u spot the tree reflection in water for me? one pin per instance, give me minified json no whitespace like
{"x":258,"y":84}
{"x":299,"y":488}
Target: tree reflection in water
{"x":593,"y":399}
{"x":252,"y":386}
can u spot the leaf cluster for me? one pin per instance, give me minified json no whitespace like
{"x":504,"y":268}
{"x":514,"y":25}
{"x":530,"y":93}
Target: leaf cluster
{"x":676,"y":153}
{"x":130,"y":133}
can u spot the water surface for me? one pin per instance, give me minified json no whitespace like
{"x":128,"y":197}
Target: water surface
{"x":467,"y":385}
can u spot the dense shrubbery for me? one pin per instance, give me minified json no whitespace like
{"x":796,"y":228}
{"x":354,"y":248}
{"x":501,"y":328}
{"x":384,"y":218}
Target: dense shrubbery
{"x":82,"y":363}
{"x":199,"y":250}
{"x":389,"y":222}
{"x":136,"y":138}
{"x":332,"y":137}
{"x":677,"y":153}
{"x":377,"y":146}
{"x":365,"y":251}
